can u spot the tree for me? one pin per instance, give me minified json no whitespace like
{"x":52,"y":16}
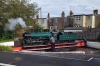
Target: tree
{"x":18,"y":8}
{"x":10,"y":9}
{"x":18,"y":26}
{"x":3,"y":18}
{"x":38,"y":28}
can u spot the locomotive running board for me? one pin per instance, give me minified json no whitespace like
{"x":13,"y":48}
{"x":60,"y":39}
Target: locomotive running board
{"x":44,"y":47}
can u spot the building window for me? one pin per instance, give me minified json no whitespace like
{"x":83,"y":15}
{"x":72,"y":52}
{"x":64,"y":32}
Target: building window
{"x":78,"y":17}
{"x":42,"y":21}
{"x":51,"y":27}
{"x":65,"y":20}
{"x":88,"y":26}
{"x":56,"y":27}
{"x":78,"y":25}
{"x":49,"y":20}
{"x":56,"y":20}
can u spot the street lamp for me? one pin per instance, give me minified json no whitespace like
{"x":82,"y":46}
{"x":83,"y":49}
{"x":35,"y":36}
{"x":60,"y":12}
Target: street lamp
{"x":41,"y":17}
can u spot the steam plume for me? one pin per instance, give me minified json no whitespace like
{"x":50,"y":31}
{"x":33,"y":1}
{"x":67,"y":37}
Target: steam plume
{"x":13,"y":22}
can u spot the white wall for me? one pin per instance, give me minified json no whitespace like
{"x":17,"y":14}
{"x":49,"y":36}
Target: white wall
{"x":11,"y":43}
{"x":43,"y":24}
{"x":84,"y":21}
{"x":93,"y":21}
{"x":77,"y":21}
{"x":73,"y":30}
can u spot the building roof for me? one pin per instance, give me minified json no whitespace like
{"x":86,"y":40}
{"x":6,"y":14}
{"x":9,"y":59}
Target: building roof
{"x":42,"y":18}
{"x":57,"y":17}
{"x":73,"y":28}
{"x":83,"y":14}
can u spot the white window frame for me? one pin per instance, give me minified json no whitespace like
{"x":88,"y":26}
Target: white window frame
{"x":51,"y":27}
{"x":78,"y":18}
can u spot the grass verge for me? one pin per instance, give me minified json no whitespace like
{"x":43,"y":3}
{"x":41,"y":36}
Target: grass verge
{"x":6,"y":48}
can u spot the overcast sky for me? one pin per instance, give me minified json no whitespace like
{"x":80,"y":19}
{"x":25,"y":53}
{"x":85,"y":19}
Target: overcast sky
{"x":55,"y":7}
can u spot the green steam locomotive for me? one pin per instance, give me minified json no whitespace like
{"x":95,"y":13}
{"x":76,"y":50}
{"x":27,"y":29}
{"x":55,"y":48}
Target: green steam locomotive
{"x":38,"y":38}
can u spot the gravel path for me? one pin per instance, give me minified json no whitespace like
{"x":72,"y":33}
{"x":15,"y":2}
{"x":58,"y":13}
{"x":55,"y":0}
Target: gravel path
{"x":79,"y":54}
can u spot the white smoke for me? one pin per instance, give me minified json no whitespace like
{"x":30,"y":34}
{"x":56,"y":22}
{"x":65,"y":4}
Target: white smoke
{"x":13,"y":22}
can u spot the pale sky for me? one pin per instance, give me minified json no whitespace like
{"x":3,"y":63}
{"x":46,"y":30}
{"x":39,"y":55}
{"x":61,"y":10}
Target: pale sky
{"x":55,"y":7}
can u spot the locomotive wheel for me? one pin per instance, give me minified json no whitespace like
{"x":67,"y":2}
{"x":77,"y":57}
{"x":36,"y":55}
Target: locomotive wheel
{"x":68,"y":41}
{"x":22,"y":43}
{"x":73,"y":40}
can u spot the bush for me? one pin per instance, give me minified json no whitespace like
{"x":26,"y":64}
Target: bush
{"x":6,"y":48}
{"x":7,"y":35}
{"x":38,"y":28}
{"x":1,"y":30}
{"x":98,"y":39}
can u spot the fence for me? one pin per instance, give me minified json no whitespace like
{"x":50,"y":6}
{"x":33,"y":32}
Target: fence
{"x":88,"y":35}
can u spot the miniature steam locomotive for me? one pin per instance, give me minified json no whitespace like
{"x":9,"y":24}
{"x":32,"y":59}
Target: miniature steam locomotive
{"x":38,"y":38}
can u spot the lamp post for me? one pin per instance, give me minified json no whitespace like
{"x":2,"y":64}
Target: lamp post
{"x":41,"y":18}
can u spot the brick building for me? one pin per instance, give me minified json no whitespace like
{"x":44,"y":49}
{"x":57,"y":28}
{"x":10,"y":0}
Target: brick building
{"x":59,"y":23}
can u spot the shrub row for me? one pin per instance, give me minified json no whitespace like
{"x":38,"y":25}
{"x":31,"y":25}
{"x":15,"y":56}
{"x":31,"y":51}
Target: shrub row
{"x":6,"y":48}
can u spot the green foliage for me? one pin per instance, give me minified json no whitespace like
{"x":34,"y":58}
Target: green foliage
{"x":98,"y":39}
{"x":17,"y":8}
{"x":98,"y":25}
{"x":6,"y":48}
{"x":1,"y":31}
{"x":61,"y":30}
{"x":18,"y":26}
{"x":7,"y":35}
{"x":38,"y":28}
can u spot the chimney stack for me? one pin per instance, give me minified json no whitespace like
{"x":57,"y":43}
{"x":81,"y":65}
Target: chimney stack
{"x":48,"y":15}
{"x":63,"y":14}
{"x":95,"y":12}
{"x":71,"y":13}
